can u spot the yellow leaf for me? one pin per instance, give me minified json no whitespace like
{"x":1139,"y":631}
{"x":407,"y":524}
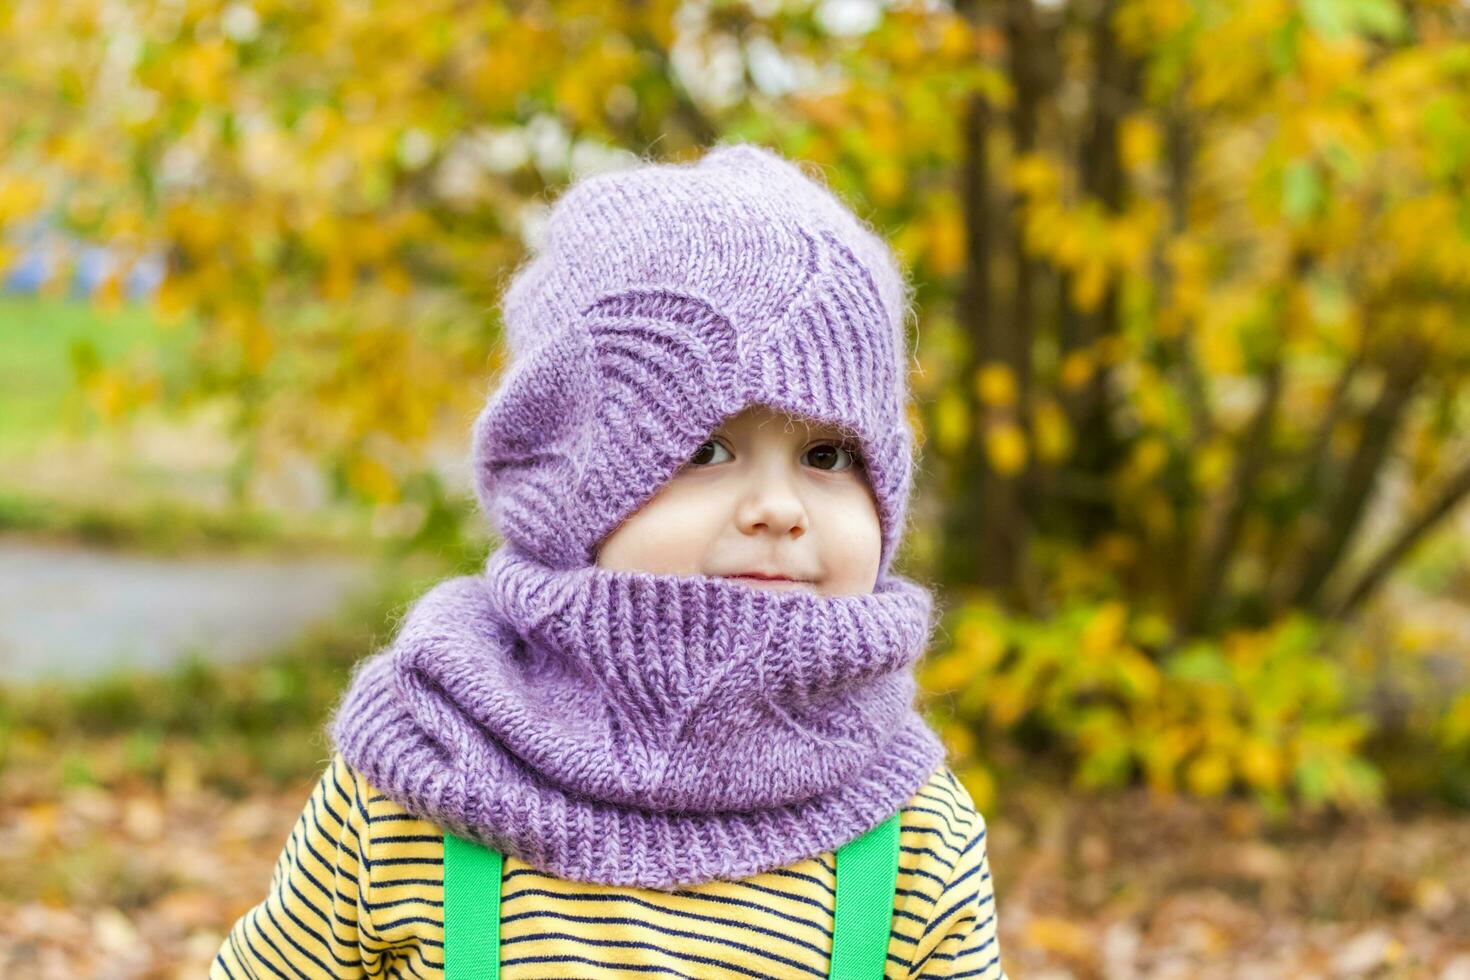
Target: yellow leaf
{"x":1007,"y":698}
{"x":979,"y":783}
{"x":959,"y":738}
{"x":1053,"y":433}
{"x":1103,"y":631}
{"x":951,"y":422}
{"x":1005,"y":447}
{"x":1089,"y":284}
{"x":1209,"y":773}
{"x":984,"y":644}
{"x":1077,"y":368}
{"x":1212,"y":464}
{"x":1061,"y":936}
{"x":1260,"y":763}
{"x":1147,"y":458}
{"x":949,"y":672}
{"x":886,"y":181}
{"x":1138,"y":141}
{"x":946,"y":244}
{"x":373,"y":479}
{"x":1139,"y":675}
{"x":996,"y":385}
{"x":1033,"y":174}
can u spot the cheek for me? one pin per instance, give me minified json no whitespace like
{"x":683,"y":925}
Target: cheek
{"x":854,"y":535}
{"x":667,"y":535}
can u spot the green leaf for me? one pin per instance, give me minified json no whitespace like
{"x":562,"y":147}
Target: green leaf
{"x":1302,"y":194}
{"x":1328,"y":18}
{"x":1335,"y":19}
{"x":1199,"y":663}
{"x":1381,"y":17}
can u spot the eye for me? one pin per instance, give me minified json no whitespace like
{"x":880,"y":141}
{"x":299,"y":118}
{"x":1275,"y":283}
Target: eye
{"x":707,"y":449}
{"x":830,"y":455}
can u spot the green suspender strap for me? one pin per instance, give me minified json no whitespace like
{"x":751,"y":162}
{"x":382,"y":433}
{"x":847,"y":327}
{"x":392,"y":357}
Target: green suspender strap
{"x":867,"y":872}
{"x":471,"y":910}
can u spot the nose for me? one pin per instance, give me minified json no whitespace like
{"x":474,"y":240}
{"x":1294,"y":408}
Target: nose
{"x":772,"y":505}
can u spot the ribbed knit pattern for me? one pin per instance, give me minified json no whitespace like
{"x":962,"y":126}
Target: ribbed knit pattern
{"x":638,"y":729}
{"x":666,"y":298}
{"x":662,"y":731}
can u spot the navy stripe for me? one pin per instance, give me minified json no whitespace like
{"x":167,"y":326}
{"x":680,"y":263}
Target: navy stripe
{"x":948,"y":864}
{"x":921,"y":873}
{"x":676,"y":954}
{"x":293,"y":850}
{"x":281,"y":931}
{"x":951,"y":957}
{"x":950,"y":911}
{"x":943,"y":835}
{"x":647,"y":924}
{"x":899,"y":913}
{"x":941,"y":795}
{"x":984,"y":969}
{"x":957,"y":794}
{"x":636,"y":967}
{"x":903,"y":937}
{"x":320,"y":797}
{"x":646,"y":904}
{"x":916,"y":891}
{"x":409,"y":944}
{"x":398,"y":862}
{"x":766,"y":889}
{"x":641,"y":967}
{"x":398,"y":882}
{"x":946,"y":817}
{"x":802,"y":876}
{"x":932,"y":953}
{"x":330,"y":947}
{"x":375,"y":906}
{"x":956,"y":814}
{"x":240,"y":954}
{"x":406,"y":920}
{"x":255,"y":921}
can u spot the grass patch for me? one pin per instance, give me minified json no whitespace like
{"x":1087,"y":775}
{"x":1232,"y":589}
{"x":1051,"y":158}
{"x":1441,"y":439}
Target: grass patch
{"x":41,"y":338}
{"x":165,"y":527}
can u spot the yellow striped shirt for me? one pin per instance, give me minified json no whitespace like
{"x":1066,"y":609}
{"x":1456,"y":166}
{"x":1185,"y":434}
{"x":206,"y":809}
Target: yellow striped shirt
{"x":358,"y":891}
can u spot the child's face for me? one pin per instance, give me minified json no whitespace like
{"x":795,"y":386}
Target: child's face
{"x":767,"y":493}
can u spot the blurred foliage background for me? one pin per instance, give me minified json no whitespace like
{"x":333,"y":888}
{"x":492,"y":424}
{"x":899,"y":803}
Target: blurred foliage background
{"x":1191,"y":344}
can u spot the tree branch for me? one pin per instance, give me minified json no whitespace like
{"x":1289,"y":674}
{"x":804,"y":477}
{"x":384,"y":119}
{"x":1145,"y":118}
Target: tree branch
{"x":1453,"y":492}
{"x":1379,"y":426}
{"x":1203,"y":582}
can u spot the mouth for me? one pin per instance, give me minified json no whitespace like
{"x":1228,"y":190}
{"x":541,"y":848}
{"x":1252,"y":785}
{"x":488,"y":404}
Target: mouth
{"x":768,"y":581}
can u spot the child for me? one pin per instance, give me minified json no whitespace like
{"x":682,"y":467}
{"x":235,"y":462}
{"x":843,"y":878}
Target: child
{"x":679,"y":697}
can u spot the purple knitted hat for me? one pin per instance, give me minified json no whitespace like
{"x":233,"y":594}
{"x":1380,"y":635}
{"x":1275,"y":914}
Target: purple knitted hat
{"x":666,"y":298}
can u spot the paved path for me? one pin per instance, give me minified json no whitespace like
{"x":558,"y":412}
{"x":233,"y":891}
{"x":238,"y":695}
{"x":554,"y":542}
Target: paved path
{"x":77,"y":612}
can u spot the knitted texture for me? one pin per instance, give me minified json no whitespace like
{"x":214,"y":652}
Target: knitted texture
{"x":666,"y":298}
{"x":645,"y":729}
{"x":663,"y":730}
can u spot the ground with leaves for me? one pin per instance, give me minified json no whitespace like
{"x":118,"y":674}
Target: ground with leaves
{"x":128,"y":867}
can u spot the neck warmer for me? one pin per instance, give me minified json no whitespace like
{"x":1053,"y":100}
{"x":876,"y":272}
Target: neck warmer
{"x":632,"y":728}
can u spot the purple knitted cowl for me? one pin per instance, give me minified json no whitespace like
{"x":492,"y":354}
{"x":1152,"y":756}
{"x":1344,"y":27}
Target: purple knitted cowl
{"x":644,"y":729}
